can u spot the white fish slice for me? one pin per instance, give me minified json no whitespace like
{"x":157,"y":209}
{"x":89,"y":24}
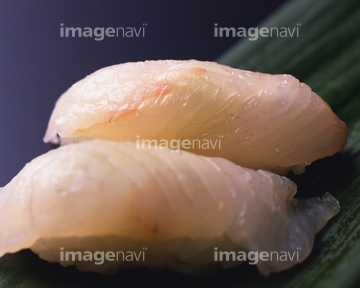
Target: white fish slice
{"x":174,"y":209}
{"x":257,"y":120}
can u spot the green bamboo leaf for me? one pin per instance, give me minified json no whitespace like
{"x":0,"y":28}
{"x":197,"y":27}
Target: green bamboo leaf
{"x":326,"y":56}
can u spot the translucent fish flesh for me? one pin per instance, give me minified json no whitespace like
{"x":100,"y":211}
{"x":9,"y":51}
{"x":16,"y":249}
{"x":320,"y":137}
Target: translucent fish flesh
{"x":171,"y":209}
{"x":256,"y":120}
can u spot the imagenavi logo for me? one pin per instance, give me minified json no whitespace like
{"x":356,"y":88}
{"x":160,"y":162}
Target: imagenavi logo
{"x":253,"y":33}
{"x":99,"y":33}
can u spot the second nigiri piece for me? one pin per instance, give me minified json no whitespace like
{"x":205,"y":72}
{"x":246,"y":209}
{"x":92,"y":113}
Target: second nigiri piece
{"x":174,"y":209}
{"x":256,"y":120}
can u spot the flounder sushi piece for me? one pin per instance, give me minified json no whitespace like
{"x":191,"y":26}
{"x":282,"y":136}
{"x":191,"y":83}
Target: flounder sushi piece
{"x":171,"y":209}
{"x":256,"y":120}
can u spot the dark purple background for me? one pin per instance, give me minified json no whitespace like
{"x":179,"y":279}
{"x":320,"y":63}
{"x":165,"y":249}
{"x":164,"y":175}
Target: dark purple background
{"x":37,"y":65}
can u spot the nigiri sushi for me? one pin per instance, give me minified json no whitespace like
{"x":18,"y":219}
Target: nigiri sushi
{"x":256,"y":120}
{"x":171,"y":209}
